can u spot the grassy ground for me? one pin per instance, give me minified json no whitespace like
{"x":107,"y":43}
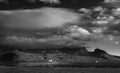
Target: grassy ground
{"x":57,"y":70}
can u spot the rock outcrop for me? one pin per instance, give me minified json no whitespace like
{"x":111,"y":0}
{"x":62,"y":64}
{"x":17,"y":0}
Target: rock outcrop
{"x":80,"y":55}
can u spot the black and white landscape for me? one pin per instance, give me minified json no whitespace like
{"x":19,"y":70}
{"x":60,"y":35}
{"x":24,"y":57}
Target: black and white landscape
{"x":79,"y":36}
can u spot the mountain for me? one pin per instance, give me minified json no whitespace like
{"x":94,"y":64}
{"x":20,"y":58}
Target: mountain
{"x":99,"y":53}
{"x":67,"y":57}
{"x":82,"y":51}
{"x":104,"y":55}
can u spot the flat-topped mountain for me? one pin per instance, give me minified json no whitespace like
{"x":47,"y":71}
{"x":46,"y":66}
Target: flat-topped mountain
{"x":63,"y":56}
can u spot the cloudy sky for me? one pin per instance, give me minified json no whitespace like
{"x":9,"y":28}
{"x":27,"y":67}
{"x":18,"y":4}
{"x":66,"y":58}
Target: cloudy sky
{"x":19,"y":25}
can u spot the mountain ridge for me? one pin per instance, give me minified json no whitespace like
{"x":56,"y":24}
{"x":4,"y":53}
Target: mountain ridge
{"x":70,"y":56}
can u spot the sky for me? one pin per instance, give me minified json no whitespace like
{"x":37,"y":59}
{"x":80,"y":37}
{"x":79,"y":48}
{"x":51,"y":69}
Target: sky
{"x":79,"y":32}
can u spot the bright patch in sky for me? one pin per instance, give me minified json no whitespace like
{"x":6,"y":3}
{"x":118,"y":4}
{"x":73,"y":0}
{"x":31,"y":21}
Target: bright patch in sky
{"x":40,"y":18}
{"x":51,"y":1}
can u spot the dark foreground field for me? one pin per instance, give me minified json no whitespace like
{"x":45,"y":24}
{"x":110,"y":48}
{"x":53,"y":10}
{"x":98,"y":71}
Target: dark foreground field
{"x":57,"y":70}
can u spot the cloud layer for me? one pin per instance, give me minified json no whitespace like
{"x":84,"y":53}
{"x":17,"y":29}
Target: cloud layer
{"x":48,"y":17}
{"x":39,"y":18}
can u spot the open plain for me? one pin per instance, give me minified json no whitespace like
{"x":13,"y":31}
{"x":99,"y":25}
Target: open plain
{"x":57,"y":70}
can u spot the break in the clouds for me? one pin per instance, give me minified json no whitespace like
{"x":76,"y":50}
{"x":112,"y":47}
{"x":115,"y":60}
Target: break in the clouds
{"x":51,"y":1}
{"x":45,"y":17}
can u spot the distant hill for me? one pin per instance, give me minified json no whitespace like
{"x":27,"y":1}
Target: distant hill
{"x":62,"y":56}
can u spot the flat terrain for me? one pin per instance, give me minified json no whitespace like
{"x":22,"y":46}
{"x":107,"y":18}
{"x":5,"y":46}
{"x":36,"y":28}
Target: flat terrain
{"x":57,"y":70}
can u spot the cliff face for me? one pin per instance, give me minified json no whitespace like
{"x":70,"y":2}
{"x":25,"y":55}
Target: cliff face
{"x":62,"y":56}
{"x":81,"y":55}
